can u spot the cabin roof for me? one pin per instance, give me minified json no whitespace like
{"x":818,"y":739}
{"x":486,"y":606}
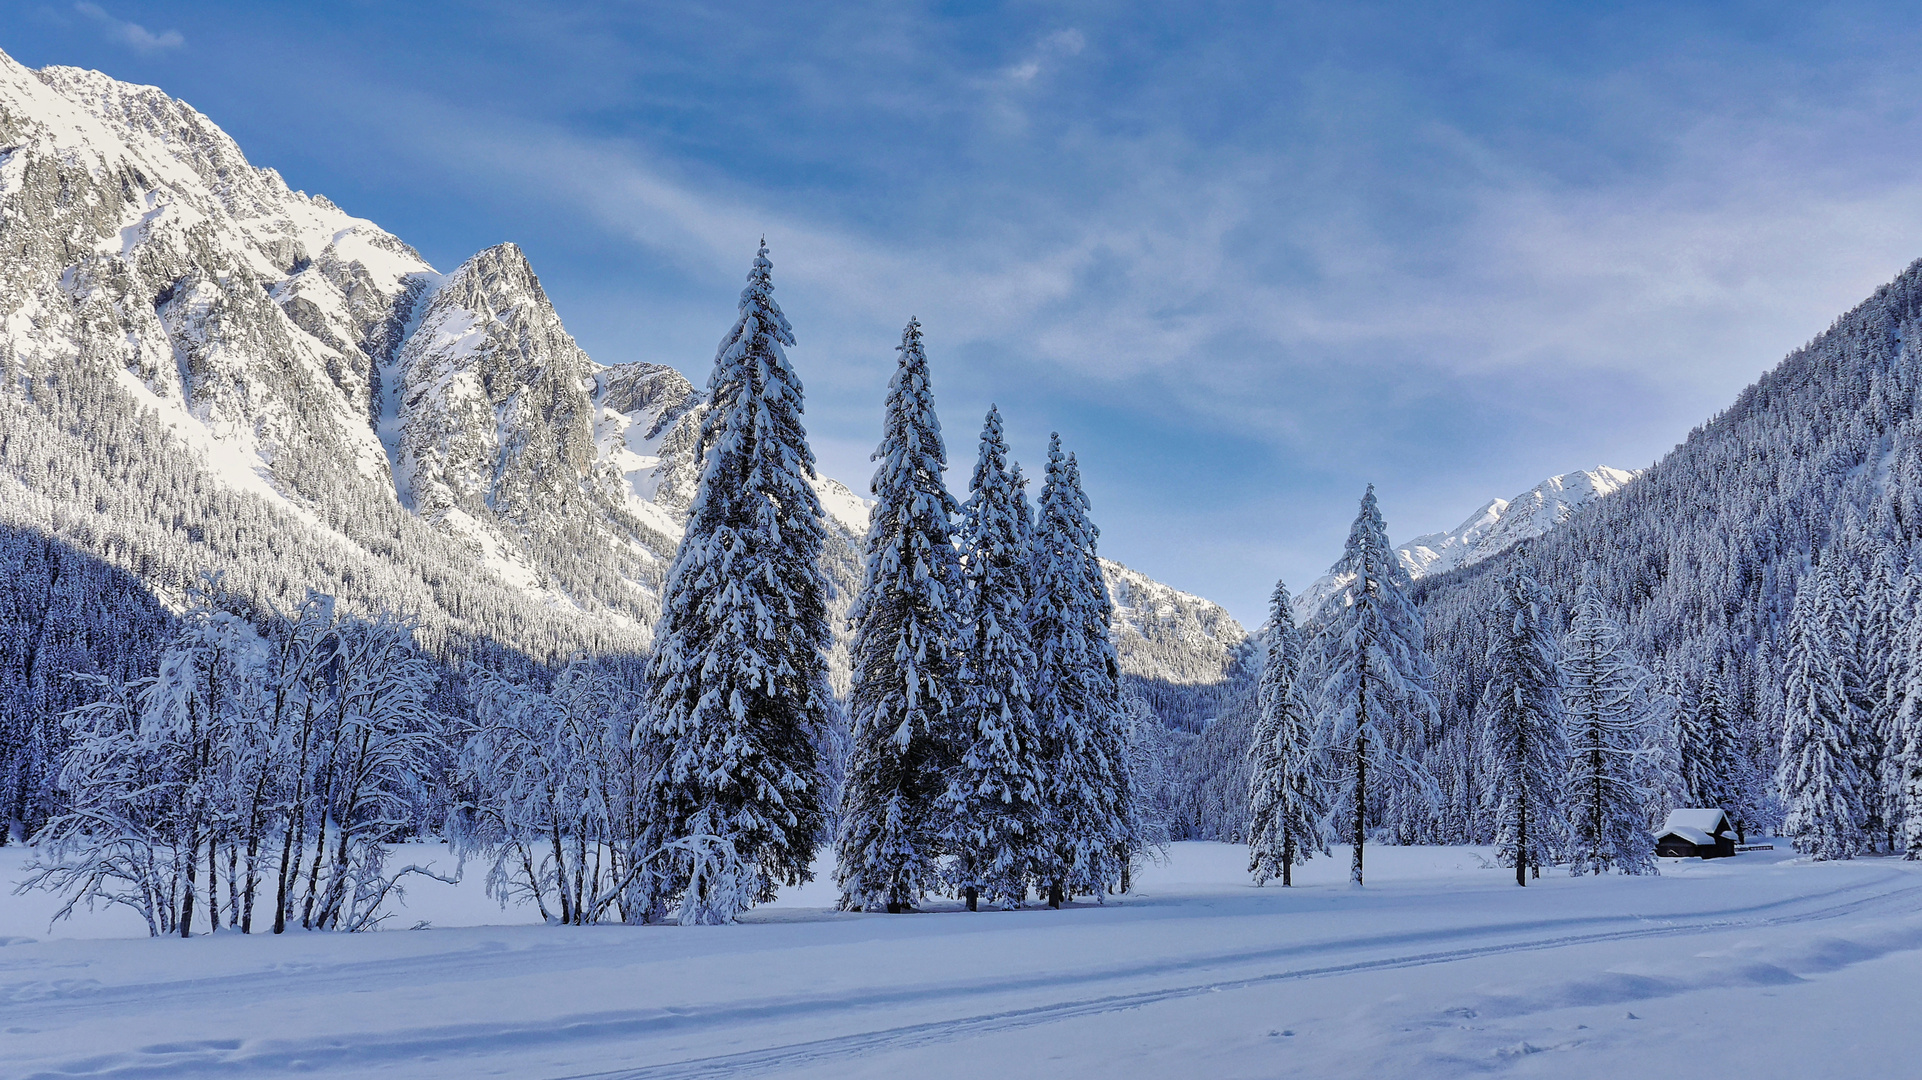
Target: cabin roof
{"x":1692,"y":835}
{"x":1708,"y":820}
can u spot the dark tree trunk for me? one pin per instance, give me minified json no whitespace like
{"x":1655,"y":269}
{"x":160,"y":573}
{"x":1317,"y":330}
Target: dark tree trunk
{"x":1361,"y":763}
{"x":213,"y":885}
{"x":187,"y":904}
{"x":1521,"y":843}
{"x":974,"y":894}
{"x":1055,"y":891}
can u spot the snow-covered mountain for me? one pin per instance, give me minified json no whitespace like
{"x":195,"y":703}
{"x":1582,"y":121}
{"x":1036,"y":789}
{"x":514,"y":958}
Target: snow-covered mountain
{"x":1186,"y":655}
{"x":346,"y":416}
{"x":1496,"y":527}
{"x":318,"y":370}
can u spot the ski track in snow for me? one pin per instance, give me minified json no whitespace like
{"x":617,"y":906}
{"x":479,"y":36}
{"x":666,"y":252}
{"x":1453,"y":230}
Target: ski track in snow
{"x":784,"y":1058}
{"x":854,"y":1022}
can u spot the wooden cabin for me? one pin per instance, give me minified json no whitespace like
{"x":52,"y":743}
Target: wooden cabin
{"x":1697,"y":833}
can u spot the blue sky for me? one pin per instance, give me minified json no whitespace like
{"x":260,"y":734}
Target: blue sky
{"x":1246,"y":258}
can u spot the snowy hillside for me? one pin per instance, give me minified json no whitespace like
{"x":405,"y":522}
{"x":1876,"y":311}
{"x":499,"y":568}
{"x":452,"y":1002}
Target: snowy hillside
{"x":1186,"y":655}
{"x":309,"y":359}
{"x":1496,"y":527}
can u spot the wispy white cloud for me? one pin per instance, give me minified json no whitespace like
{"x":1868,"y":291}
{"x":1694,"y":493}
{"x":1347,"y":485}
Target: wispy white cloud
{"x":1061,"y":43}
{"x":131,"y":34}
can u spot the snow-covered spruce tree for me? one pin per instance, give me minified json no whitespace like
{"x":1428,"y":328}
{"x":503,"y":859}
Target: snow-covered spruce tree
{"x":1076,"y":695}
{"x":1713,"y":761}
{"x":993,"y":810}
{"x":1605,"y":702}
{"x":738,"y":690}
{"x":1153,"y":777}
{"x":1659,"y":763}
{"x":1524,"y":739}
{"x":907,"y":657}
{"x":1867,"y":638}
{"x":1905,"y":767}
{"x":1817,"y":774}
{"x":1285,"y":800}
{"x":1372,"y":689}
{"x":1133,"y":835}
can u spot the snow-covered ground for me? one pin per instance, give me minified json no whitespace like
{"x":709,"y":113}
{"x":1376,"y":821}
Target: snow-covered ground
{"x":1753,"y":967}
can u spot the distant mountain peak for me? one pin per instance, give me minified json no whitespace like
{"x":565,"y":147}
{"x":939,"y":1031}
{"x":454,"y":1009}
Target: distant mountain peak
{"x":1499,"y":525}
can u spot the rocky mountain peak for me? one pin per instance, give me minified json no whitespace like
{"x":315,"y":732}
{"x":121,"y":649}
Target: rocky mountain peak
{"x":495,"y":398}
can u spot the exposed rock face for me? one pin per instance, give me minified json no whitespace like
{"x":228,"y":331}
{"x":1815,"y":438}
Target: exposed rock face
{"x":495,"y":399}
{"x":139,"y":241}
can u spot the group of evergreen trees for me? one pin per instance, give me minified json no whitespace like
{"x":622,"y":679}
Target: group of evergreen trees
{"x":1849,"y":771}
{"x":1347,"y":741}
{"x":1573,"y":751}
{"x":991,"y":750}
{"x":992,"y":753}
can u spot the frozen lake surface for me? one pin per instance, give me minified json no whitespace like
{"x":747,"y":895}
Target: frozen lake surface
{"x":1753,"y":967}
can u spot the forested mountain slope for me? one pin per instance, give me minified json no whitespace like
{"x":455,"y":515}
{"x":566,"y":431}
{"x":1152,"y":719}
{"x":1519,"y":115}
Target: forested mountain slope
{"x":1186,"y":656}
{"x":1701,"y":555}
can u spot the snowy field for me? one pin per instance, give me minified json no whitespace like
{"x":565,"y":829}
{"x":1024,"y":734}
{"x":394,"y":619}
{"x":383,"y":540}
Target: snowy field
{"x":1753,"y":967}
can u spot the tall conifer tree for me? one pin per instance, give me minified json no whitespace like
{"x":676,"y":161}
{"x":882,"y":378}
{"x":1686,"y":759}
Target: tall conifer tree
{"x":1373,"y":687}
{"x":1076,"y":693}
{"x":993,"y":808}
{"x":1905,"y":768}
{"x":907,"y":661}
{"x":1285,"y":799}
{"x":1606,"y":705}
{"x":1524,"y":741}
{"x":1817,"y":773}
{"x":738,"y":683}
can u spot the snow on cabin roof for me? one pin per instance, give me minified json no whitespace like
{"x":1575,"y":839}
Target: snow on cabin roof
{"x":1692,"y":835}
{"x":1705,"y":820}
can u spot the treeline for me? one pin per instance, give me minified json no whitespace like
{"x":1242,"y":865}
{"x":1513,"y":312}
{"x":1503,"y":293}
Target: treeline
{"x":1762,"y":581}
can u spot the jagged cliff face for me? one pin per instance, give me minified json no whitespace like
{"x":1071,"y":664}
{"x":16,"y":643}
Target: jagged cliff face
{"x":141,"y":246}
{"x":495,"y":402}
